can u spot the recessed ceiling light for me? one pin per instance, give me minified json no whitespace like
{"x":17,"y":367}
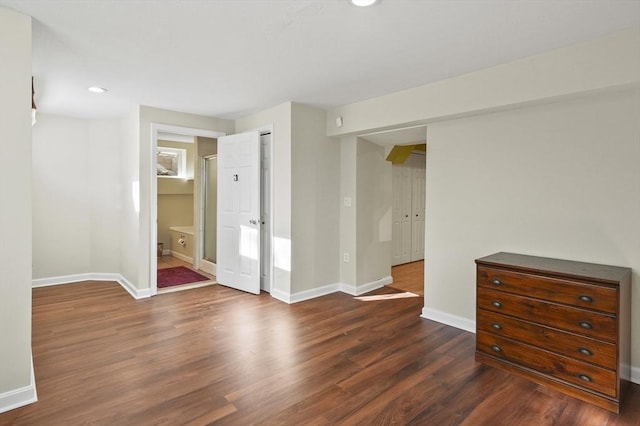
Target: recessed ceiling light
{"x":363,"y":3}
{"x":96,"y":89}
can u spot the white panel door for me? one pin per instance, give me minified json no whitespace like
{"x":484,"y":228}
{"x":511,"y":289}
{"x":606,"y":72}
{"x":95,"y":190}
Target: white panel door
{"x":406,"y":212}
{"x":418,"y":171}
{"x":396,"y":216}
{"x":238,"y":244}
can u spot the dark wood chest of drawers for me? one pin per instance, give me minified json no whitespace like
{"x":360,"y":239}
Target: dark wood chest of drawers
{"x":560,"y":323}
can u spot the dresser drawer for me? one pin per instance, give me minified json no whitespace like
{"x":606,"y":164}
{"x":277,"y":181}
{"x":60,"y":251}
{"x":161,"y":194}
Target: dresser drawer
{"x":582,"y":348}
{"x":576,"y":293}
{"x":579,"y":373}
{"x":581,"y":321}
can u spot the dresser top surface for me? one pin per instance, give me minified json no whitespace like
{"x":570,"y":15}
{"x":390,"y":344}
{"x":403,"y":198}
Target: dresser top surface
{"x":566,"y":268}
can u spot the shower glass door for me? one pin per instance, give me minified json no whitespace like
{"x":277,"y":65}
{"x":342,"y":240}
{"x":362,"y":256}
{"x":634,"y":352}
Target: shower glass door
{"x":210,"y":207}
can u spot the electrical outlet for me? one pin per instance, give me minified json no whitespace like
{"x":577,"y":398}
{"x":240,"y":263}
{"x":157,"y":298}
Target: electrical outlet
{"x":345,"y":257}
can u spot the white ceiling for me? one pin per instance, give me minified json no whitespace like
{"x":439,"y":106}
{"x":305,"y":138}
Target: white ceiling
{"x":227,"y":58}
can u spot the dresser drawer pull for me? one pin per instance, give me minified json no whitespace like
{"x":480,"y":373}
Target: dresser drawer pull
{"x":586,"y":325}
{"x":496,"y":304}
{"x":585,"y":298}
{"x":585,"y":378}
{"x":585,"y":351}
{"x":496,"y":348}
{"x":496,"y":326}
{"x":496,"y":281}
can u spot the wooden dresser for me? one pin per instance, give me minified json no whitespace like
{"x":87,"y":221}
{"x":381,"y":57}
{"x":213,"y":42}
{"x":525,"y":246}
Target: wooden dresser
{"x":560,"y":323}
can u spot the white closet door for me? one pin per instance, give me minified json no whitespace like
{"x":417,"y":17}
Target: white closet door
{"x":396,"y":216}
{"x":418,"y":171}
{"x":407,"y":177}
{"x":401,"y":214}
{"x":408,"y":210}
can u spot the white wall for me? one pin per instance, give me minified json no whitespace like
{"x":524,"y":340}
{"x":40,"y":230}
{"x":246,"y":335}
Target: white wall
{"x":348,"y":214}
{"x":373,"y":224}
{"x":602,"y":64}
{"x":365,"y":226}
{"x":16,"y":383}
{"x":129,"y":195}
{"x":61,"y":197}
{"x":280,"y":118}
{"x":76,"y":178}
{"x":104,"y":193}
{"x":560,"y":180}
{"x":315,"y":211}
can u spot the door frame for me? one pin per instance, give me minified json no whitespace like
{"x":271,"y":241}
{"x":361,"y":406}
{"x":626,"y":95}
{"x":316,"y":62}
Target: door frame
{"x":270,"y":267}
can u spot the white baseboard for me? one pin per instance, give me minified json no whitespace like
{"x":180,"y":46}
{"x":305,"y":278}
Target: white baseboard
{"x":132,"y":290}
{"x":182,"y":256}
{"x":166,"y":252}
{"x":280,"y":295}
{"x":93,"y":276}
{"x":68,"y":279}
{"x":20,"y":397}
{"x":313,"y":293}
{"x":328,"y":289}
{"x":365,"y":288}
{"x":449,"y":319}
{"x":635,"y":375}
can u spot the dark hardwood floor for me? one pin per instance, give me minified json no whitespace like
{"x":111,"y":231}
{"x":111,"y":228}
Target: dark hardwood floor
{"x":218,"y":356}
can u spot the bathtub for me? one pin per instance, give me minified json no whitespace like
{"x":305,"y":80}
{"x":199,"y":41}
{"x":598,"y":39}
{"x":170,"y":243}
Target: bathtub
{"x":182,"y":234}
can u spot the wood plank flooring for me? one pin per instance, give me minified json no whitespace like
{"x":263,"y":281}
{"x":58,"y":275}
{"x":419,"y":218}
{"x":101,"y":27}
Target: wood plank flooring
{"x":218,"y":356}
{"x":409,"y":277}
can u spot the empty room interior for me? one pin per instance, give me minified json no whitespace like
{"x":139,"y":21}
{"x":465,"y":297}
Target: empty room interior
{"x":320,"y":212}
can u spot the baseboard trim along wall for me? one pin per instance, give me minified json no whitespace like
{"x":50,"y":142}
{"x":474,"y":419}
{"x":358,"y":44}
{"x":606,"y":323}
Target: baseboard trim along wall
{"x":365,"y":288}
{"x":20,"y":397}
{"x":134,"y":292}
{"x":328,"y":289}
{"x":304,"y":295}
{"x":635,"y":375}
{"x":449,"y":319}
{"x":181,"y":256}
{"x":93,"y":276}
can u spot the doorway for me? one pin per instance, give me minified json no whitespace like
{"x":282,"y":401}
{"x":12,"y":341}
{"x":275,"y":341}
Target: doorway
{"x":405,"y":149}
{"x":204,"y":246}
{"x":408,"y":231}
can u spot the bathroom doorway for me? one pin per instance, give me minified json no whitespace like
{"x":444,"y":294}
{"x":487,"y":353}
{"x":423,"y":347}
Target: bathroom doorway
{"x":177,"y":163}
{"x":176,"y":244}
{"x":206,"y":146}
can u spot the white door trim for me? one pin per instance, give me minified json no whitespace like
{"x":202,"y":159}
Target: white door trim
{"x":262,"y":130}
{"x":153,"y":195}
